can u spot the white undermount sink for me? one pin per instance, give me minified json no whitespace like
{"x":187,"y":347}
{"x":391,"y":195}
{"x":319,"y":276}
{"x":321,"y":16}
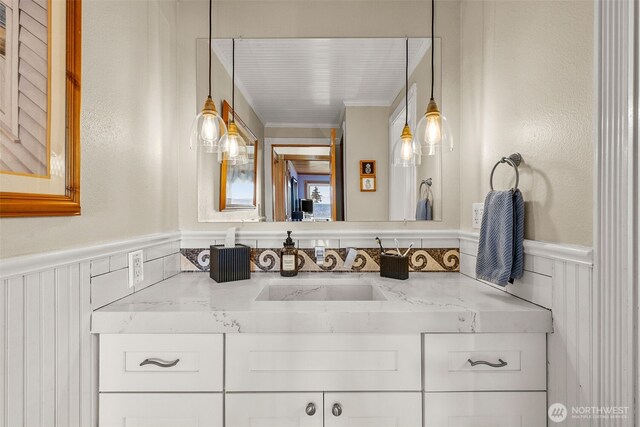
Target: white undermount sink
{"x":320,"y":290}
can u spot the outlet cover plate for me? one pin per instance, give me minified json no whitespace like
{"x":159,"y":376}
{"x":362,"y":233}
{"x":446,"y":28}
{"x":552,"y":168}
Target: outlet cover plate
{"x":136,"y":268}
{"x":477,"y":211}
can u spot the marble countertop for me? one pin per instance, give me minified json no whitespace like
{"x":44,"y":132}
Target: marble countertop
{"x":426,"y":302}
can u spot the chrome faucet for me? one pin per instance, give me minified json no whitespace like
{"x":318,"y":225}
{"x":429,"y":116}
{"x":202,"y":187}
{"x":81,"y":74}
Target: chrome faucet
{"x":351,"y":257}
{"x":319,"y":251}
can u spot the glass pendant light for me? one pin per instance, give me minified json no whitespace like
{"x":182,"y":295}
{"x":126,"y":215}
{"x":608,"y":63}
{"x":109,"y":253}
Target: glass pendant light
{"x":406,"y":152}
{"x":208,"y":127}
{"x":433,"y":130}
{"x":233,"y":146}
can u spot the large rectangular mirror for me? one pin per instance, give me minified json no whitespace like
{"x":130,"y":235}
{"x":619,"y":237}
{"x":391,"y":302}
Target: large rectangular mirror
{"x":320,"y":117}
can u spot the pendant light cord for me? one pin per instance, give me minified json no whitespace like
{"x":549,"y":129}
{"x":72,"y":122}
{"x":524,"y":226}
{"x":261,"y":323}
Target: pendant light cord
{"x":433,"y":41}
{"x":210,"y":47}
{"x":406,"y":81}
{"x":233,"y":80}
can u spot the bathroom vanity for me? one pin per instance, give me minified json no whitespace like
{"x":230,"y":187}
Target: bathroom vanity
{"x":322,"y":350}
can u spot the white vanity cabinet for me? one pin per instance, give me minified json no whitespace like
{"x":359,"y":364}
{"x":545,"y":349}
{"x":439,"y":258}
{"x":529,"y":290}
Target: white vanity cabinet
{"x":323,"y":380}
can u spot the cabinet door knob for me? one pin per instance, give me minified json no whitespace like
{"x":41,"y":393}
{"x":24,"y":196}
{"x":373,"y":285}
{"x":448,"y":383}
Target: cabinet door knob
{"x":501,"y":363}
{"x":311,"y":409}
{"x":336,"y":410}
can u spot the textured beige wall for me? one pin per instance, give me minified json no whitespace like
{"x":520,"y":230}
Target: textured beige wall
{"x":129,"y":172}
{"x":528,"y":86}
{"x":367,"y":131}
{"x":316,"y":18}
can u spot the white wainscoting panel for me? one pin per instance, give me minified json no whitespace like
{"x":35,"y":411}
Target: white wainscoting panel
{"x":558,"y":277}
{"x":46,"y":365}
{"x":536,"y":283}
{"x":570,"y":352}
{"x":49,"y":365}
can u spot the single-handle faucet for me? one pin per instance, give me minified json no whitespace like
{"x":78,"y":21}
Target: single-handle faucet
{"x":351,"y":257}
{"x":319,"y":251}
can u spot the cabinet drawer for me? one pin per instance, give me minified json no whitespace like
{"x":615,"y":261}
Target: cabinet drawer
{"x":317,"y":362}
{"x":273,"y":410}
{"x":486,"y":409}
{"x":140,"y":362}
{"x":160,"y":410}
{"x":516,"y":362}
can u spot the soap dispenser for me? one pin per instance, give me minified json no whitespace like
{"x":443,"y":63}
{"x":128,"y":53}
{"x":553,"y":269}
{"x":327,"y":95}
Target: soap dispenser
{"x":289,"y":258}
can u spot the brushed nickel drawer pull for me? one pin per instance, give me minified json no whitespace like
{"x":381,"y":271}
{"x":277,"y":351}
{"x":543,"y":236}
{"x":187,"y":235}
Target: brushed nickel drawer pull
{"x":159,"y":362}
{"x":493,"y":365}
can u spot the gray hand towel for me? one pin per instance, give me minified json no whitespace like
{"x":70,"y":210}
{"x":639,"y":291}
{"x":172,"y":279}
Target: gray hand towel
{"x":501,"y":250}
{"x":424,"y":210}
{"x":421,"y":210}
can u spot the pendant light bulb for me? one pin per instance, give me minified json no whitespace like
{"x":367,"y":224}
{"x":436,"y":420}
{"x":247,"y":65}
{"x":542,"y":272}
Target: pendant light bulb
{"x":406,"y":144}
{"x":405,"y":150}
{"x":433,"y":131}
{"x":207,"y":129}
{"x":233,"y":146}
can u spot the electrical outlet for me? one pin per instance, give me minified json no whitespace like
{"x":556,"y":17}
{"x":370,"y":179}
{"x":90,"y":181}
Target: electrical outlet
{"x":477,"y":211}
{"x":136,"y":269}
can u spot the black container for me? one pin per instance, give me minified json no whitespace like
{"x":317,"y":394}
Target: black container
{"x":229,"y":264}
{"x":306,"y":206}
{"x":394,"y":266}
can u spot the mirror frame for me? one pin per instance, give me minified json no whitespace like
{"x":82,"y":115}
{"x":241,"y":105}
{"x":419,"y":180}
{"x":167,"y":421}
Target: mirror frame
{"x":227,"y":111}
{"x":13,"y":204}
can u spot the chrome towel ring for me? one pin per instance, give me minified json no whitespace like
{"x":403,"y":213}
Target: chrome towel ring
{"x":514,"y":161}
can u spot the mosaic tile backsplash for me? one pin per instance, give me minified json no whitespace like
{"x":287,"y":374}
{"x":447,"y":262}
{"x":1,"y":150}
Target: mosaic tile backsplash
{"x":368,"y":260}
